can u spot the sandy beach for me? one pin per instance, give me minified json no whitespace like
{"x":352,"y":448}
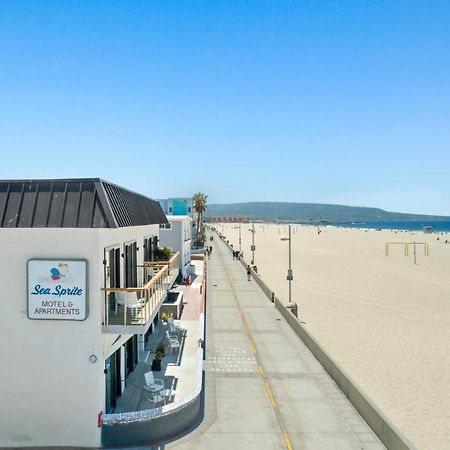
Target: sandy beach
{"x":383,"y":318}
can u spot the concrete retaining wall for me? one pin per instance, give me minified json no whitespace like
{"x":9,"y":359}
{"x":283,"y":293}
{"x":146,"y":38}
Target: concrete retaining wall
{"x":380,"y":424}
{"x":386,"y":431}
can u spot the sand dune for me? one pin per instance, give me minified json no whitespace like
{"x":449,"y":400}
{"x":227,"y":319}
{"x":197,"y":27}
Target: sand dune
{"x":383,"y":318}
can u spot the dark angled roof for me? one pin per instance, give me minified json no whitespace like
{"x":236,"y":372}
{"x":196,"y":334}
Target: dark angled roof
{"x":74,"y":203}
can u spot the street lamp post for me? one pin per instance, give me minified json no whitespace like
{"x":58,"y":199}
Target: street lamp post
{"x":290,"y":276}
{"x":252,"y":248}
{"x":240,"y":249}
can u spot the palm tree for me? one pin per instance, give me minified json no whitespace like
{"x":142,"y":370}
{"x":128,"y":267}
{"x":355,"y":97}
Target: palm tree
{"x":199,"y":205}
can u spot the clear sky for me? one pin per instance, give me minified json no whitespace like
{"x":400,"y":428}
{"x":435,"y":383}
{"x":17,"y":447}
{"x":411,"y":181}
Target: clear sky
{"x":337,"y":101}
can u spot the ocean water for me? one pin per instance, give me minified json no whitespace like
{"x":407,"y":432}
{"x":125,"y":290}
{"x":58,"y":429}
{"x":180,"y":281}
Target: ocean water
{"x":437,"y":226}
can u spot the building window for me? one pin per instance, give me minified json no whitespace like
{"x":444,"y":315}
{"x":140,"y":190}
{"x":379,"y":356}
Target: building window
{"x":165,"y":226}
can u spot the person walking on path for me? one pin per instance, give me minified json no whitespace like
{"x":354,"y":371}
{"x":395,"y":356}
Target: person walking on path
{"x":249,"y":272}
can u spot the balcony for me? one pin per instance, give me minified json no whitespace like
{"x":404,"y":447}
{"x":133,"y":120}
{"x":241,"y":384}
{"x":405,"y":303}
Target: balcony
{"x":172,"y":265}
{"x":131,"y":310}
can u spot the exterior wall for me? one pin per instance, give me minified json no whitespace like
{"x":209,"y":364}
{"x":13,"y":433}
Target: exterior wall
{"x":179,"y":239}
{"x":113,"y":237}
{"x":51,"y":393}
{"x":186,"y":252}
{"x":177,"y":206}
{"x":171,"y":237}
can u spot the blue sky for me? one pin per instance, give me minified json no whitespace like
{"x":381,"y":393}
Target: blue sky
{"x":342,"y":102}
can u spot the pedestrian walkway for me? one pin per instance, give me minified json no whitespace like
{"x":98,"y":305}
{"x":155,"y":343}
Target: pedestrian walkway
{"x":264,"y":389}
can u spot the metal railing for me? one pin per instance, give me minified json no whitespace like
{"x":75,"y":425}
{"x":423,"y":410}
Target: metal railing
{"x":172,"y":264}
{"x":137,"y":305}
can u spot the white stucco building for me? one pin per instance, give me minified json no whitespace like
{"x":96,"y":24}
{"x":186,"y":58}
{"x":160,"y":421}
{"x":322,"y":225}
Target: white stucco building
{"x":69,"y":330}
{"x":177,"y":235}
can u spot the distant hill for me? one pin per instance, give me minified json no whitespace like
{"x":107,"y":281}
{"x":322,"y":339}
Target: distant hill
{"x":311,"y":212}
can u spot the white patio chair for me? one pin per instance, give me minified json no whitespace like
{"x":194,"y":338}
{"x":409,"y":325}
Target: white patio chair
{"x":130,"y":300}
{"x":169,"y":395}
{"x":120,"y":300}
{"x":155,"y":397}
{"x":173,"y":329}
{"x":172,"y":338}
{"x":174,"y":345}
{"x":171,"y":321}
{"x":153,"y":384}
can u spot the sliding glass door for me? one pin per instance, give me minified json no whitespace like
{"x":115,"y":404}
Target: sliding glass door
{"x":131,"y":265}
{"x":112,"y":381}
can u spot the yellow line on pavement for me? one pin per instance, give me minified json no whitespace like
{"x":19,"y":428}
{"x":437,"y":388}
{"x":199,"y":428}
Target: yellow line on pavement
{"x":287,"y":441}
{"x":270,"y":394}
{"x":285,"y":435}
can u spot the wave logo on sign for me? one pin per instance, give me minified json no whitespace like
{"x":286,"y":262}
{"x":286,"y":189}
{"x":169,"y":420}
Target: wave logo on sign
{"x":56,"y":273}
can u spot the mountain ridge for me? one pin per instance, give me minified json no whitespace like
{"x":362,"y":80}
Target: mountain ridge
{"x":312,"y":212}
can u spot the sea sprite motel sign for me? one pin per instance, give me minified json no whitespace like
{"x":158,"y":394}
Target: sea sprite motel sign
{"x":57,"y":289}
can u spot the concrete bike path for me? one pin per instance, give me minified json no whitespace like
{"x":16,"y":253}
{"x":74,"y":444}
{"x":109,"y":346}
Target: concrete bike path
{"x":263,"y":388}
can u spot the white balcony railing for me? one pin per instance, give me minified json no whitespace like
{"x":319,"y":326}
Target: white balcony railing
{"x":137,"y":306}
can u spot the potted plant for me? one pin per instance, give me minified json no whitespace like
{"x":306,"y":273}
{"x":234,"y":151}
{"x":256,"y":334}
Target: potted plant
{"x":162,"y":253}
{"x":159,"y":355}
{"x":165,"y":316}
